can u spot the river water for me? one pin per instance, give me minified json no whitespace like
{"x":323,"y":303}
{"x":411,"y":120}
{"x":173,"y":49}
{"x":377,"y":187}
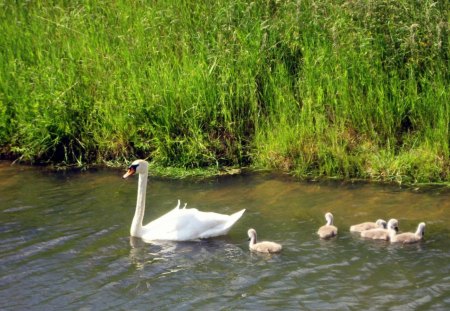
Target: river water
{"x":65,"y":245}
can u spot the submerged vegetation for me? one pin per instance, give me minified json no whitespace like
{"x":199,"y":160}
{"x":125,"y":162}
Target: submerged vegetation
{"x":348,"y":89}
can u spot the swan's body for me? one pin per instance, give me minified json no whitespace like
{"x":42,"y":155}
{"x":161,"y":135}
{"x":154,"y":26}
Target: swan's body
{"x":408,"y":237}
{"x":180,"y":224}
{"x":262,"y":247}
{"x":380,"y":223}
{"x":381,"y":234}
{"x":328,"y":230}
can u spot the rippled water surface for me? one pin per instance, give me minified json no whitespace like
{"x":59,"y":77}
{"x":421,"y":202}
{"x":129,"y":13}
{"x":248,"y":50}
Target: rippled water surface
{"x":65,"y":245}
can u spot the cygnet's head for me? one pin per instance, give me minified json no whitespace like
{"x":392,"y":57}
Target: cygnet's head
{"x":381,"y":223}
{"x":251,"y":234}
{"x":421,"y":228}
{"x":329,"y":218}
{"x":393,"y":224}
{"x":137,"y":167}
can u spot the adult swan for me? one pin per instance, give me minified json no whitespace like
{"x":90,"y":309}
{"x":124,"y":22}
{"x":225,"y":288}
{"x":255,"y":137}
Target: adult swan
{"x":180,"y":224}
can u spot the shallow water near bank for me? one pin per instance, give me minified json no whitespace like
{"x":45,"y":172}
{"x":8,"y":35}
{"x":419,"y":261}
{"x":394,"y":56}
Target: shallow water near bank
{"x":65,"y":245}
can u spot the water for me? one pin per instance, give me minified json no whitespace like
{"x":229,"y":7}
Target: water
{"x":64,"y":245}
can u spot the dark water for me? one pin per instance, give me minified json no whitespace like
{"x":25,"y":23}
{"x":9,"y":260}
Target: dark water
{"x":64,"y":245}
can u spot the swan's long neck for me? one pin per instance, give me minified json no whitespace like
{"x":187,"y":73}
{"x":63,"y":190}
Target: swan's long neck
{"x":136,"y":225}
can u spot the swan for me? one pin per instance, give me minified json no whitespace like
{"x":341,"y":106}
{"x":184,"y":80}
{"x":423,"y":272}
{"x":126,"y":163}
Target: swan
{"x":408,"y":237}
{"x":380,"y":223}
{"x":381,"y":234}
{"x":328,"y":230}
{"x":179,"y":224}
{"x":262,"y":247}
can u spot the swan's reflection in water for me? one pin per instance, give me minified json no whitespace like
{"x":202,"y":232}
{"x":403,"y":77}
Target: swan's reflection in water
{"x":181,"y":269}
{"x":174,"y":256}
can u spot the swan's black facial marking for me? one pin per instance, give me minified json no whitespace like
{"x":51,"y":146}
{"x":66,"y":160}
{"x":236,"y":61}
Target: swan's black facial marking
{"x":131,"y":170}
{"x":133,"y":167}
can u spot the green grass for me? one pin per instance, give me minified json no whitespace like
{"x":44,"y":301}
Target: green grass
{"x":345,"y":89}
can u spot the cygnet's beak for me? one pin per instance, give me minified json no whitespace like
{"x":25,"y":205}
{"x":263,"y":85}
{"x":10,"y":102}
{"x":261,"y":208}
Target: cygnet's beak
{"x":131,"y":171}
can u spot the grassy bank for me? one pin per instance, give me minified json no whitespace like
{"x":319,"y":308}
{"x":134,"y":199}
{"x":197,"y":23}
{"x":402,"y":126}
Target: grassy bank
{"x":318,"y":88}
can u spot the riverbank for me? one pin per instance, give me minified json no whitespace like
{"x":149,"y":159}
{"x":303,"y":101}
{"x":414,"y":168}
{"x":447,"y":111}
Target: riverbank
{"x":342,"y":90}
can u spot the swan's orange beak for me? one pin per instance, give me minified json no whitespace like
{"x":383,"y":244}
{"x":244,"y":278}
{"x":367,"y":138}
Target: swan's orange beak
{"x":130,"y":172}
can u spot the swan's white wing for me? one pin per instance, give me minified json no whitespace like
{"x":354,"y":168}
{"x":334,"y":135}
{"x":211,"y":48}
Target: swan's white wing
{"x":223,"y":224}
{"x":167,"y":227}
{"x":164,"y":217}
{"x":189,"y":224}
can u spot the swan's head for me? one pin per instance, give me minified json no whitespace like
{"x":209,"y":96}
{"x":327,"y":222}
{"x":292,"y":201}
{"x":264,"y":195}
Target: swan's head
{"x":137,"y":167}
{"x":251,"y":234}
{"x":393,"y":224}
{"x":381,"y":223}
{"x":329,"y":218}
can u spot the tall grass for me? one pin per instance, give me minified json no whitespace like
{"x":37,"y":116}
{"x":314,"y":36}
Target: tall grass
{"x":317,"y":88}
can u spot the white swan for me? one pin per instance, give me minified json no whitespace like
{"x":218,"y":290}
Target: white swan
{"x":408,"y":237}
{"x":328,"y":230}
{"x":380,"y":223}
{"x":178,"y":224}
{"x":262,"y":247}
{"x":379,"y":233}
